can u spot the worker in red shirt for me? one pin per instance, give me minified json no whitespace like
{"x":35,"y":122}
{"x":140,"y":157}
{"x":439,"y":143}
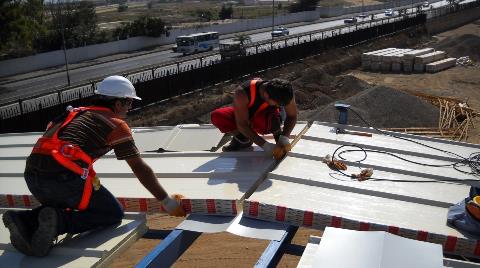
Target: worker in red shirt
{"x":256,"y":109}
{"x":59,"y":172}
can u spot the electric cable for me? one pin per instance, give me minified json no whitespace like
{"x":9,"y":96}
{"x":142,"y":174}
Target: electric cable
{"x":473,"y":161}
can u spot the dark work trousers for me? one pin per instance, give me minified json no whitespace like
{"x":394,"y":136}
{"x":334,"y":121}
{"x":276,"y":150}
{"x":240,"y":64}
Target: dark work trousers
{"x":64,"y":190}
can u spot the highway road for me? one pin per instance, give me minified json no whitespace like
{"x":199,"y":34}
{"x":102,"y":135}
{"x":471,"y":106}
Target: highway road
{"x":12,"y":91}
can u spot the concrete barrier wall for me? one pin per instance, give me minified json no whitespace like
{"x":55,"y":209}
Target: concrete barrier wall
{"x":339,"y":11}
{"x":56,"y":58}
{"x":452,"y":21}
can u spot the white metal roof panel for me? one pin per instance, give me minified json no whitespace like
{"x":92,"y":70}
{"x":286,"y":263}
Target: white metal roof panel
{"x":308,"y":257}
{"x":302,"y":190}
{"x":354,"y":206}
{"x":89,"y":250}
{"x":13,"y":139}
{"x":196,"y":175}
{"x":189,"y":137}
{"x":313,"y":173}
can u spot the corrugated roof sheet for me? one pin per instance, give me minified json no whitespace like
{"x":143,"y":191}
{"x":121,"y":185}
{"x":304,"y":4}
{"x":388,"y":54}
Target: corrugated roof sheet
{"x":198,"y":175}
{"x":302,"y":190}
{"x":85,"y":251}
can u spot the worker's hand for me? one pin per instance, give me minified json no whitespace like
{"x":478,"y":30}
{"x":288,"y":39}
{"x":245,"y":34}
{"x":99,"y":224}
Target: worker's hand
{"x":473,"y":206}
{"x":279,"y":152}
{"x":284,"y":141}
{"x":268,"y":148}
{"x":172,"y":204}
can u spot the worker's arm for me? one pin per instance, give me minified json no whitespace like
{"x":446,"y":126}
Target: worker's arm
{"x":148,"y":179}
{"x":146,"y":176}
{"x":291,"y":120}
{"x":240,"y":102}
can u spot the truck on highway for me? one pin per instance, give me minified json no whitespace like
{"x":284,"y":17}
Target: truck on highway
{"x":232,"y":49}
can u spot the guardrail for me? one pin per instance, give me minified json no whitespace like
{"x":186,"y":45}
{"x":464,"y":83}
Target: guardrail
{"x":67,"y":95}
{"x":78,"y":94}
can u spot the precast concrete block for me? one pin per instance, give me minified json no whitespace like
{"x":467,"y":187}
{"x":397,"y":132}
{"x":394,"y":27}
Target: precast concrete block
{"x":419,"y":67}
{"x":375,"y":66}
{"x":365,"y":65}
{"x":440,"y":65}
{"x":396,"y":67}
{"x":386,"y":66}
{"x":430,"y":57}
{"x":417,"y":52}
{"x":407,"y":67}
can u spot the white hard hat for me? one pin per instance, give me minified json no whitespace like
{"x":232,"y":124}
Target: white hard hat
{"x":117,"y":86}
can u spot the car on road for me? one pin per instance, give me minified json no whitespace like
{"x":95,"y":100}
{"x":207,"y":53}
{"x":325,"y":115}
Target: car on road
{"x":389,"y":12}
{"x":280,"y":31}
{"x":426,"y":4}
{"x":350,"y":20}
{"x":362,"y":16}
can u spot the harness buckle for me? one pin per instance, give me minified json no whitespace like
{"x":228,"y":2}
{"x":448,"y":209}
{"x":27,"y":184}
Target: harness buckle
{"x":69,"y":150}
{"x":85,"y":173}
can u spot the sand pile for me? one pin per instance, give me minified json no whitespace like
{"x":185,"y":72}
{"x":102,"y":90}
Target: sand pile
{"x":463,"y":45}
{"x":316,"y":88}
{"x":382,"y":107}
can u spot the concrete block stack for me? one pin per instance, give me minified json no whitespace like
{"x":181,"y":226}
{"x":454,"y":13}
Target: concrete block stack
{"x":408,"y":58}
{"x":440,"y":65}
{"x":371,"y":60}
{"x":392,"y":62}
{"x":421,"y":60}
{"x":386,"y":60}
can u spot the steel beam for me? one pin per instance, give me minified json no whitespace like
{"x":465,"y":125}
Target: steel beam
{"x":169,"y":250}
{"x":272,"y":254}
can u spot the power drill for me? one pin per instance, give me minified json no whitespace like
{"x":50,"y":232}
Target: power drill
{"x":343,"y":115}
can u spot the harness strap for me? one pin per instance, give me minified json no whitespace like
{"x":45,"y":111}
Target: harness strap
{"x":253,"y":92}
{"x":66,"y":153}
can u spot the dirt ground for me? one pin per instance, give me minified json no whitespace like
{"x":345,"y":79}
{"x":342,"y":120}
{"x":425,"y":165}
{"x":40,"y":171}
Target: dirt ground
{"x":318,"y":81}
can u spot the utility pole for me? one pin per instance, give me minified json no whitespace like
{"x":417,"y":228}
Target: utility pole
{"x":65,"y":56}
{"x":273,"y":17}
{"x":63,"y":41}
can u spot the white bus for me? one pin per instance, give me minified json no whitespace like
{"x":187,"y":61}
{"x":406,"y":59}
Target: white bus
{"x":193,"y":43}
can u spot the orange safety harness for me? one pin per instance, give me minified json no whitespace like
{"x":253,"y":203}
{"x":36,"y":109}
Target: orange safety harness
{"x":66,"y":153}
{"x":253,"y":93}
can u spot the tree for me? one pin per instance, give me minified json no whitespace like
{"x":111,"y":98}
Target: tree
{"x":77,"y":21}
{"x":144,"y":26}
{"x":244,"y":39}
{"x":85,"y":21}
{"x":225,"y":12}
{"x":204,"y":14}
{"x":303,"y":5}
{"x":22,"y":23}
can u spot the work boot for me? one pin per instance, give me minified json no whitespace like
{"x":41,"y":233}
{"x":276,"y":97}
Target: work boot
{"x":46,"y":233}
{"x":238,"y":142}
{"x":19,"y":233}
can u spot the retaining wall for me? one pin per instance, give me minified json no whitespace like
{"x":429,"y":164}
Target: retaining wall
{"x":56,"y":58}
{"x":452,"y":21}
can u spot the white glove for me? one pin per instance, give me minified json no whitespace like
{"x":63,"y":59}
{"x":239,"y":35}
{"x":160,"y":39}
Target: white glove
{"x":169,"y":204}
{"x":283,"y":141}
{"x":173,"y":206}
{"x":268,"y":148}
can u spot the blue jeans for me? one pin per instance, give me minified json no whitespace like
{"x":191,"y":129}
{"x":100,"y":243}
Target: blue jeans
{"x":64,"y":190}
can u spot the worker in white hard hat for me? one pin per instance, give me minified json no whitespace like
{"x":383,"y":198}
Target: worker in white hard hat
{"x":60,"y":174}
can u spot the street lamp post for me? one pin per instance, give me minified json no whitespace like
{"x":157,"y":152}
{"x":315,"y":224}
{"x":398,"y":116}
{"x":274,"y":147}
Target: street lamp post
{"x":273,"y":17}
{"x":63,"y":41}
{"x":65,"y":56}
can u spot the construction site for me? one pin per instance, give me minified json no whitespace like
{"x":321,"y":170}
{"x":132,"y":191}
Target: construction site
{"x":413,"y":94}
{"x":381,"y":98}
